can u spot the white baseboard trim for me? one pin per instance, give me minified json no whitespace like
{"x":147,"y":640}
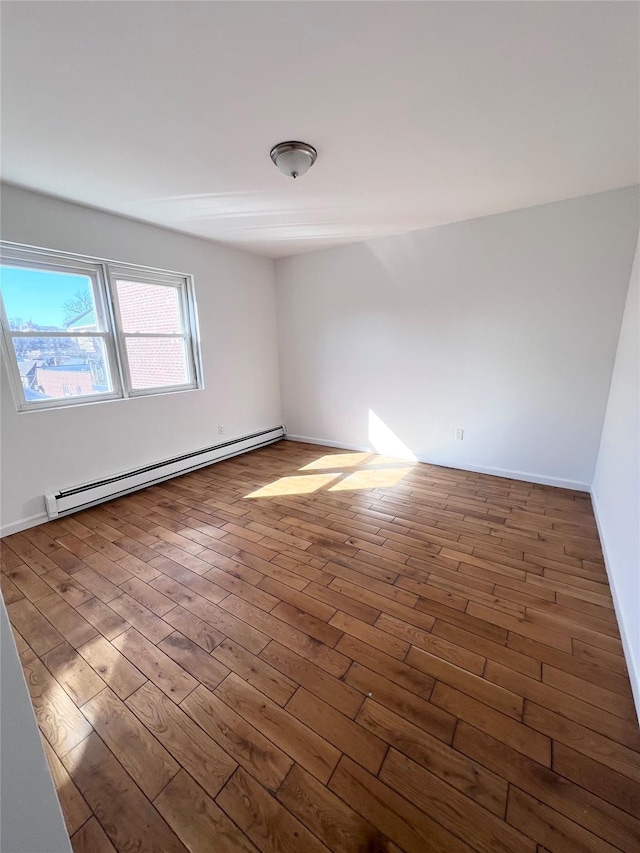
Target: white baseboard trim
{"x":23,"y":524}
{"x":633,"y":665}
{"x":525,"y":476}
{"x":323,"y":442}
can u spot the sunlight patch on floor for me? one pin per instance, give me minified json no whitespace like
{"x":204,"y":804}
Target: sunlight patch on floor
{"x":338,"y":460}
{"x":390,"y":461}
{"x":371,"y":479}
{"x":304,"y":484}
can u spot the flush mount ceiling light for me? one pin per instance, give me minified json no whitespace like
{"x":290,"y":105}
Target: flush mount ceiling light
{"x":293,"y":158}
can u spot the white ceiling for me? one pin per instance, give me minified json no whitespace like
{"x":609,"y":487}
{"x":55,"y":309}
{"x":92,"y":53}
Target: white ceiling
{"x":422,"y":113}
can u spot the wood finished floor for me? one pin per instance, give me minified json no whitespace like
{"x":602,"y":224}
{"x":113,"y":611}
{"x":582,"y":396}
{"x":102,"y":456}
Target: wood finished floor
{"x":303,"y":649}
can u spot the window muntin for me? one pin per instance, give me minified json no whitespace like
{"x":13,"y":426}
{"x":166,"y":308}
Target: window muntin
{"x":81,"y":330}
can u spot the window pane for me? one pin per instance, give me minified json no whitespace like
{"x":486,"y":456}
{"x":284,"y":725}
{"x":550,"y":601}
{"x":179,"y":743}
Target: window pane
{"x":56,"y":368}
{"x":44,"y":301}
{"x":149,"y":307}
{"x":157,"y":362}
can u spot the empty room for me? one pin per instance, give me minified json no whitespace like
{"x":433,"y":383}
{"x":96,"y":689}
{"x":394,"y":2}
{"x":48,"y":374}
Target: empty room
{"x":320,"y":427}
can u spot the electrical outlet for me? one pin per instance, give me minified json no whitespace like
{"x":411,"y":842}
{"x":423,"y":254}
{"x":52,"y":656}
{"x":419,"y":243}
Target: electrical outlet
{"x":459,"y":434}
{"x":220,"y":429}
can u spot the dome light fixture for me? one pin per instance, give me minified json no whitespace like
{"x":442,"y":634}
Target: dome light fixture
{"x":293,"y":158}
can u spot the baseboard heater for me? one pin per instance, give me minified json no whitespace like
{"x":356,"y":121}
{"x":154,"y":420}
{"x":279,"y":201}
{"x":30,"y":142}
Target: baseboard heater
{"x":80,"y":497}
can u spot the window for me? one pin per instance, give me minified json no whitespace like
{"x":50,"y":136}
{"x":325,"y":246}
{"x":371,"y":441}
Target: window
{"x":79,"y":329}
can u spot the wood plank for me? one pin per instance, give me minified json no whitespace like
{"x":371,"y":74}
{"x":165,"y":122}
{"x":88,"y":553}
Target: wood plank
{"x":73,"y":673}
{"x":542,"y":823}
{"x":301,"y":600}
{"x":10,"y":591}
{"x":77,"y":546}
{"x":260,"y":674}
{"x":169,"y":676}
{"x":256,"y":596}
{"x":145,"y":760}
{"x":203,"y":634}
{"x":548,"y":787}
{"x":9,"y":559}
{"x":224,"y":623}
{"x":28,"y":582}
{"x":390,"y":668}
{"x":311,"y":625}
{"x":456,"y":812}
{"x":66,"y":620}
{"x":337,"y":825}
{"x":115,"y":670}
{"x":294,"y":638}
{"x":91,"y":838}
{"x":335,"y":599}
{"x":21,"y":643}
{"x":103,"y":618}
{"x":58,"y":718}
{"x":299,"y":671}
{"x":519,"y":625}
{"x":149,"y":597}
{"x":74,"y":807}
{"x":128,"y":818}
{"x":189,"y":579}
{"x":468,"y":777}
{"x":490,"y":629}
{"x":242,"y":741}
{"x":347,"y":735}
{"x":521,"y":737}
{"x":384,"y":603}
{"x":610,"y":678}
{"x":146,"y":622}
{"x":203,"y":667}
{"x":108,"y":568}
{"x":444,"y":649}
{"x":600,"y":657}
{"x":585,"y":740}
{"x":402,"y":702}
{"x":375,"y":637}
{"x":67,"y":587}
{"x":41,"y":539}
{"x":411,"y":829}
{"x":615,"y":727}
{"x":519,"y":661}
{"x":614,"y":702}
{"x":197,"y":820}
{"x":36,"y":630}
{"x":293,"y":737}
{"x":138,"y":568}
{"x":194,"y":750}
{"x":97,"y":584}
{"x":589,"y":773}
{"x":500,"y":698}
{"x":268,"y":824}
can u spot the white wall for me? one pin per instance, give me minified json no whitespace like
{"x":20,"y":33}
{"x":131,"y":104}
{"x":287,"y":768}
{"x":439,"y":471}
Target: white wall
{"x":616,"y":486}
{"x":30,"y":816}
{"x":47,"y":450}
{"x":505,"y":326}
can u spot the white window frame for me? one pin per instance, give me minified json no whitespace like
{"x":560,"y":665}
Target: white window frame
{"x":103,"y":275}
{"x":167,"y":280}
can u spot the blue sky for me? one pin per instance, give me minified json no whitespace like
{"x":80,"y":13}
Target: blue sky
{"x":39,"y":296}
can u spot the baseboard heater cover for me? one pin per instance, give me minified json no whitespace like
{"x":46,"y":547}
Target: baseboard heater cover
{"x":80,"y":497}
